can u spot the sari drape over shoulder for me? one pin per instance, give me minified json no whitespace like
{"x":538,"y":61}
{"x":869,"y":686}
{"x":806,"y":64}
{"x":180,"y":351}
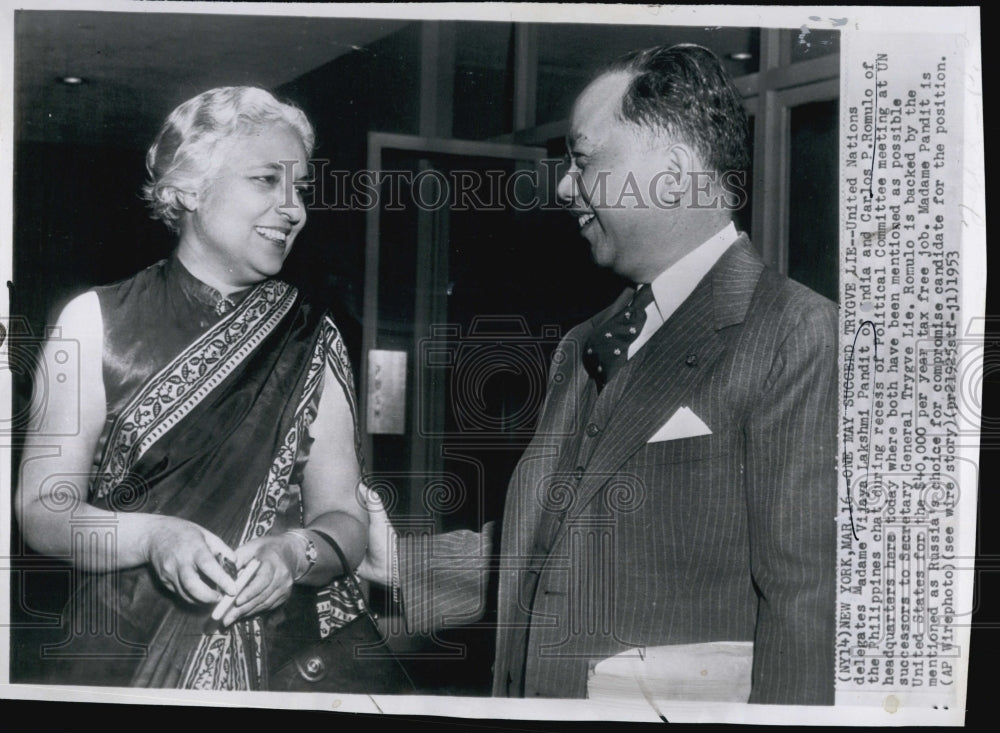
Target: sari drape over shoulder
{"x":216,"y":436}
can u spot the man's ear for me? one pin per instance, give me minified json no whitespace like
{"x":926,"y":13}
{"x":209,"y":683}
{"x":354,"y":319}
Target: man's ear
{"x":674,"y":178}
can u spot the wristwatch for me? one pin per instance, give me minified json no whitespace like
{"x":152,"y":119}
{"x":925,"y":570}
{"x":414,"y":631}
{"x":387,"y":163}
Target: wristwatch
{"x":310,"y":552}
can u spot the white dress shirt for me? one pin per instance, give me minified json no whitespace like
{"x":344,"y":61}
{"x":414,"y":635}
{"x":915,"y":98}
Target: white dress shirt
{"x":673,"y":286}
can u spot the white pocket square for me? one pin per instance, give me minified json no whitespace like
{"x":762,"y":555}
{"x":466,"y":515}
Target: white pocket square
{"x":683,"y":424}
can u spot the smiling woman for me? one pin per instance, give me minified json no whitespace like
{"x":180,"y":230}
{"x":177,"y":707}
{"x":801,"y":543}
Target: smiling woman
{"x":231,"y":184}
{"x":203,"y":382}
{"x":242,"y":225}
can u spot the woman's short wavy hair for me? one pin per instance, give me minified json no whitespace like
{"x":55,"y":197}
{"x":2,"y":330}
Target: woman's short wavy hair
{"x":182,"y":158}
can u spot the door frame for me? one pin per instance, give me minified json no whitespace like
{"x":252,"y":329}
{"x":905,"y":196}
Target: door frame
{"x":378,"y":143}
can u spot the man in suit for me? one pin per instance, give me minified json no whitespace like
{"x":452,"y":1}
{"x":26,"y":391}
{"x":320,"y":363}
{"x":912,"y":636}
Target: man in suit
{"x":680,"y":487}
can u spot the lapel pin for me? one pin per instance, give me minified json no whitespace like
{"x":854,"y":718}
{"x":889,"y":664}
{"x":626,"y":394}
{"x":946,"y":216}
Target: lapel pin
{"x":692,"y":360}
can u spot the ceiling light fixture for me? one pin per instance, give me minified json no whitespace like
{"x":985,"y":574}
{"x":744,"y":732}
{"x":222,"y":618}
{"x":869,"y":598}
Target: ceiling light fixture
{"x":741,"y":56}
{"x":71,"y":80}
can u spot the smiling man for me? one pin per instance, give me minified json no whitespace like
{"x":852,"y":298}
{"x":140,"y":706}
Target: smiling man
{"x":680,"y":487}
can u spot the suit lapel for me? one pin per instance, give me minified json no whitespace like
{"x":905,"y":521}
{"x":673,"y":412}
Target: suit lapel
{"x":673,"y":363}
{"x":655,"y":388}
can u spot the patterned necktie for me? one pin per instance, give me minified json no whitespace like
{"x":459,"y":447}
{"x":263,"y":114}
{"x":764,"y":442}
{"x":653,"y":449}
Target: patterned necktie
{"x":606,"y":351}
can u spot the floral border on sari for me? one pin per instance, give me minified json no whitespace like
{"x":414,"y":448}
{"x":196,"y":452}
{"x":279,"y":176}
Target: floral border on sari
{"x":177,"y":388}
{"x":221,"y":660}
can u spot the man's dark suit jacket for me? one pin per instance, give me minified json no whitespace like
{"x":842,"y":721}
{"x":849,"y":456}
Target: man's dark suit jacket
{"x":611,"y":542}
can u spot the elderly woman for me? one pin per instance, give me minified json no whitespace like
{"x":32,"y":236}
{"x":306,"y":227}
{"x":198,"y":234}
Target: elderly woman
{"x":216,"y":421}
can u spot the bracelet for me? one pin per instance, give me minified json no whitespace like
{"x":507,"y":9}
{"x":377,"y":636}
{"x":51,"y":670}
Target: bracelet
{"x":310,"y":552}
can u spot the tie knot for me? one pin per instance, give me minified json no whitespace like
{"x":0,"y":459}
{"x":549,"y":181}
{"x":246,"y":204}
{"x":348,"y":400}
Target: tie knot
{"x":606,"y":350}
{"x":643,"y":296}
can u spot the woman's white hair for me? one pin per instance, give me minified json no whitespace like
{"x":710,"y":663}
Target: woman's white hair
{"x":182,"y":156}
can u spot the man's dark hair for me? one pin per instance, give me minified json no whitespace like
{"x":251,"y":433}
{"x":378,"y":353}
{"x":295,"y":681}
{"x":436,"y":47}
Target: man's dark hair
{"x":685,"y":91}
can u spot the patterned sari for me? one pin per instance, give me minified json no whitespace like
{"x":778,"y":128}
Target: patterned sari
{"x":212,"y":437}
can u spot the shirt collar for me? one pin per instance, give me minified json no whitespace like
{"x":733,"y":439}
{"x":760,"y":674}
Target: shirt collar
{"x":672,"y":286}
